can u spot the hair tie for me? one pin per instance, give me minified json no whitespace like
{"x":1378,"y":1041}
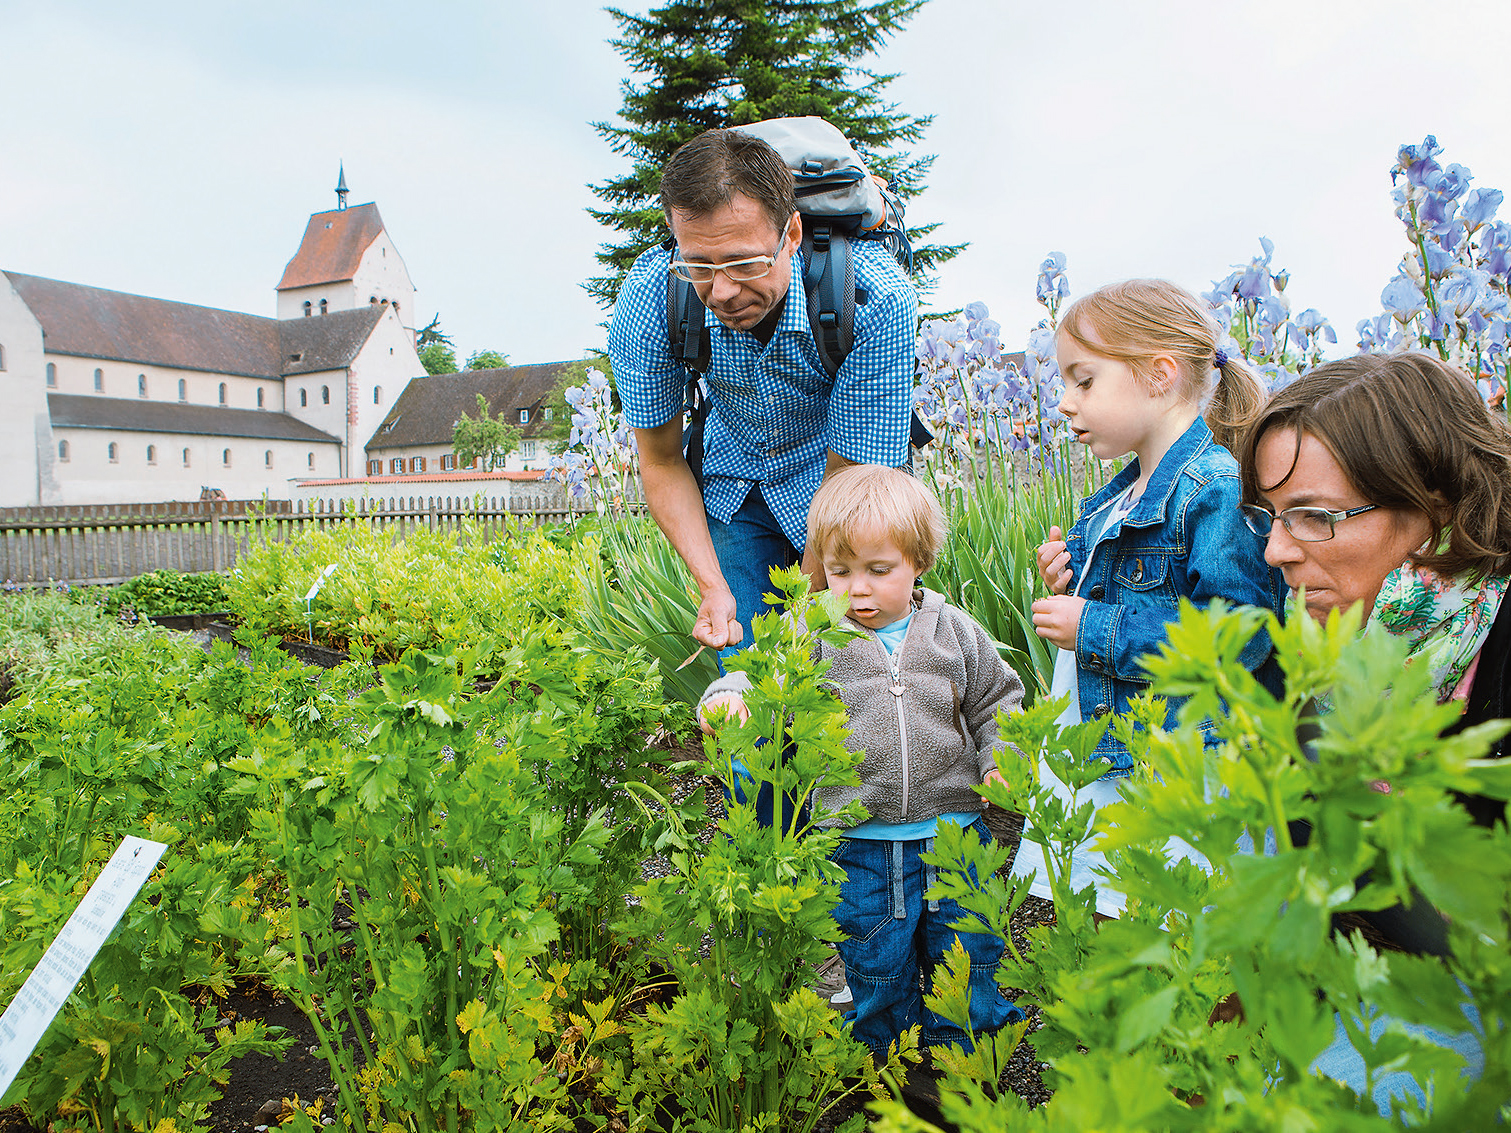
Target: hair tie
{"x":1222,"y":358}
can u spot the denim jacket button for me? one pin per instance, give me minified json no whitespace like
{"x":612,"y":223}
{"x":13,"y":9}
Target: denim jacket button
{"x":1097,"y":592}
{"x":1101,"y":710}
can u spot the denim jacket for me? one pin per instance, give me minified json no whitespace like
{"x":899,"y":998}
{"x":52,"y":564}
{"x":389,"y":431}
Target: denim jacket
{"x":1185,"y":538}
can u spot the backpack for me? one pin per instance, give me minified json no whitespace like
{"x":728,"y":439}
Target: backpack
{"x":839,"y":202}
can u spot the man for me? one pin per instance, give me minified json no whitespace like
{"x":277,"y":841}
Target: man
{"x":779,"y":423}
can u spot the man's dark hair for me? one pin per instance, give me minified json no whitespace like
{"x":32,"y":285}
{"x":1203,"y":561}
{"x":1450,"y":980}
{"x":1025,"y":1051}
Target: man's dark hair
{"x":707,"y":172}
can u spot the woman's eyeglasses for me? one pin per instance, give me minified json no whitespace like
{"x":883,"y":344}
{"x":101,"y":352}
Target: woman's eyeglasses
{"x":1305,"y":524}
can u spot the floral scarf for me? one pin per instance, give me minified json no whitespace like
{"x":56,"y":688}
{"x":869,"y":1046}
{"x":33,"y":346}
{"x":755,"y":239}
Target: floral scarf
{"x":1444,"y":622}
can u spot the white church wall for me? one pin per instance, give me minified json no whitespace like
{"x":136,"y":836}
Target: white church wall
{"x":26,"y":473}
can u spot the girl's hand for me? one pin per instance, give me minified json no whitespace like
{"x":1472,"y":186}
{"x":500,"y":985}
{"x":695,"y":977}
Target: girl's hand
{"x":1054,"y":562}
{"x":716,"y":707}
{"x":1056,"y":619}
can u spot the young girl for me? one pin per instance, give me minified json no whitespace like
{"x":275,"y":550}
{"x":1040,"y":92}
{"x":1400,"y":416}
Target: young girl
{"x":1138,"y":361}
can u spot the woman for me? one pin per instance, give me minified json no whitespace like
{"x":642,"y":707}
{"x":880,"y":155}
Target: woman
{"x":1383,"y":480}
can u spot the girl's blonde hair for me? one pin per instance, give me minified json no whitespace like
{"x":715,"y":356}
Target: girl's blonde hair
{"x":1139,"y":319}
{"x":867,"y":500}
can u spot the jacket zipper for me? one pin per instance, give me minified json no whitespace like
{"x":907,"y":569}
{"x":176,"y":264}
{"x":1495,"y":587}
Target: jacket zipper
{"x":894,"y":666}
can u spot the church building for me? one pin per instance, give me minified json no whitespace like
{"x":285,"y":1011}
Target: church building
{"x":119,"y":398}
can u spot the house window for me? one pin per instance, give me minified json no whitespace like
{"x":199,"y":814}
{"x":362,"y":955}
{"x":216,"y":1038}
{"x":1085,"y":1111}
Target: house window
{"x":259,"y":397}
{"x":306,"y":308}
{"x":325,"y":395}
{"x":267,"y":459}
{"x":322,"y":306}
{"x":113,"y":452}
{"x":141,"y":385}
{"x":372,"y":300}
{"x":63,"y":451}
{"x":527,"y":450}
{"x":417,"y":464}
{"x":304,"y":398}
{"x":151,"y":454}
{"x":99,"y":381}
{"x":225,"y":457}
{"x":183,"y":390}
{"x":375,"y":468}
{"x":448,"y":461}
{"x":186,"y":458}
{"x":310,"y":463}
{"x":524,"y":416}
{"x":396,"y":465}
{"x":52,"y":375}
{"x":222,"y":393}
{"x":549,"y":412}
{"x":377,"y":395}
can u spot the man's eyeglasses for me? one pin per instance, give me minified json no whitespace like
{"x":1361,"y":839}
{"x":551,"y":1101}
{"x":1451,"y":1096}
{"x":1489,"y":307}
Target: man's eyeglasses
{"x":1305,"y":524}
{"x":741,"y":271}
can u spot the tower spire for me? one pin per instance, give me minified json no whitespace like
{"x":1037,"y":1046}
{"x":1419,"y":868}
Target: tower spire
{"x":341,"y":189}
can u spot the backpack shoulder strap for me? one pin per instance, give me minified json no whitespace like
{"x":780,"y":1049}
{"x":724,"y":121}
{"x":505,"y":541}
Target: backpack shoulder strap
{"x":829,"y":284}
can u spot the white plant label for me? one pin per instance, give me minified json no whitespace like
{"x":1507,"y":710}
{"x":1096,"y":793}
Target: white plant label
{"x":53,"y":979}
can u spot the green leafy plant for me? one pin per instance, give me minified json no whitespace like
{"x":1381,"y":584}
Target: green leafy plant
{"x":1129,"y":1026}
{"x":162,"y":592}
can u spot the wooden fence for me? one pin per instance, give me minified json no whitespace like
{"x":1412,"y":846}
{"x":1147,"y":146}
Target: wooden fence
{"x":103,"y":543}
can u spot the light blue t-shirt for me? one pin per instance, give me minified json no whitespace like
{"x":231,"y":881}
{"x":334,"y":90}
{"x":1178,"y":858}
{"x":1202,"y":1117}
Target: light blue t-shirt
{"x":891,"y":637}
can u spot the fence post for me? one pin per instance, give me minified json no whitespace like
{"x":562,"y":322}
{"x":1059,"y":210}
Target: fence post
{"x":214,"y":537}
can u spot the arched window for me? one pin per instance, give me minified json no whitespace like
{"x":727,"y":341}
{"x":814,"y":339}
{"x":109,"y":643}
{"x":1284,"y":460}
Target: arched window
{"x":141,"y":385}
{"x":322,"y":306}
{"x":304,"y":398}
{"x":372,"y":300}
{"x":225,"y":457}
{"x":377,"y":395}
{"x":183,"y":390}
{"x":113,"y":452}
{"x":267,"y":459}
{"x":99,"y":381}
{"x":259,"y":397}
{"x":306,"y":308}
{"x":63,"y":451}
{"x":311,"y":462}
{"x":325,"y":395}
{"x":151,"y":454}
{"x":222,"y":393}
{"x":52,"y":375}
{"x":186,"y":458}
{"x":395,"y":302}
{"x":2,"y":357}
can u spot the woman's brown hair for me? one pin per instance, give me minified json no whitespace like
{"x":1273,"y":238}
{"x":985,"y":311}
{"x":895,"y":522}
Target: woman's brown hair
{"x":1411,"y":433}
{"x":1139,"y":319}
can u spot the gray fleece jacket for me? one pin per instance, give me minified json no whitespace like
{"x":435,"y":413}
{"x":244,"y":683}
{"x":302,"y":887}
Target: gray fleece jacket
{"x":946,"y":682}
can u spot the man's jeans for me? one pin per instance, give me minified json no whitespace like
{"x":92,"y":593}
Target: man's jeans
{"x":748,"y":546}
{"x":895,"y":935}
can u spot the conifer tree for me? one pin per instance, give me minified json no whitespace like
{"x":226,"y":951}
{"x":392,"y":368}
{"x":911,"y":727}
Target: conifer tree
{"x":701,"y":64}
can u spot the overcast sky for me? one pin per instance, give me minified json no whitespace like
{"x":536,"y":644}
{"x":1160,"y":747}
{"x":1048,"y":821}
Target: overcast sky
{"x":176,"y":149}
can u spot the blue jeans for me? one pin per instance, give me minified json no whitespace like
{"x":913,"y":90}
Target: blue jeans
{"x":748,"y":546}
{"x":894,"y":936}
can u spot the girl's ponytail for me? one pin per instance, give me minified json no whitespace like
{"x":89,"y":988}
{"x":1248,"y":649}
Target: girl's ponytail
{"x":1235,"y":402}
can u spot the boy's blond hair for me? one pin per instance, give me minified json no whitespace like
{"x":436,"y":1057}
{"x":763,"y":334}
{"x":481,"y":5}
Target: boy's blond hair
{"x":869,"y":500}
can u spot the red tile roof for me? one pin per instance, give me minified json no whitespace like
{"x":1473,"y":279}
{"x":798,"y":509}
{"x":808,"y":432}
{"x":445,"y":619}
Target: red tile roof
{"x":428,"y":477}
{"x":332,"y":246}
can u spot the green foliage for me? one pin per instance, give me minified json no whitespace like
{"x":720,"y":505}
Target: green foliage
{"x":743,"y":1044}
{"x":718,"y":63}
{"x":484,"y":438}
{"x":487,"y":360}
{"x":48,"y":632}
{"x":1127,"y":1007}
{"x":388,"y":594}
{"x":438,"y":358}
{"x":161,"y":592}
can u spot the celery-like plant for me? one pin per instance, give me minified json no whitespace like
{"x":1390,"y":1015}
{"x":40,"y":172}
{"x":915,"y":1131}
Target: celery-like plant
{"x":743,"y":1044}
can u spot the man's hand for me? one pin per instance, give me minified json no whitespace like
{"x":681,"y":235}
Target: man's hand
{"x":1057,"y":618}
{"x":728,"y":703}
{"x":1054,"y":562}
{"x":716,"y":625}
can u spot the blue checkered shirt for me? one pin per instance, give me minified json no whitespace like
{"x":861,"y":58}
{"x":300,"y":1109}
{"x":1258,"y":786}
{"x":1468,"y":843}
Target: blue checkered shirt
{"x":776,"y":411}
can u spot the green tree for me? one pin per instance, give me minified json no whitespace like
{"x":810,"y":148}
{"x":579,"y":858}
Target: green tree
{"x":713,"y":63}
{"x":434,"y":346}
{"x":484,"y":438}
{"x":487,"y":360}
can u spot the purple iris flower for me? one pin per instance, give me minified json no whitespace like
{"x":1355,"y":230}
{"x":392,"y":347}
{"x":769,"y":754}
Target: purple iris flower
{"x":1417,"y":161}
{"x":1403,"y":299}
{"x":1480,"y":206}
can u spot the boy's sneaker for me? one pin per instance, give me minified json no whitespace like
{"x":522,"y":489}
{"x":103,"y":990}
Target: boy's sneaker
{"x":829,"y":983}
